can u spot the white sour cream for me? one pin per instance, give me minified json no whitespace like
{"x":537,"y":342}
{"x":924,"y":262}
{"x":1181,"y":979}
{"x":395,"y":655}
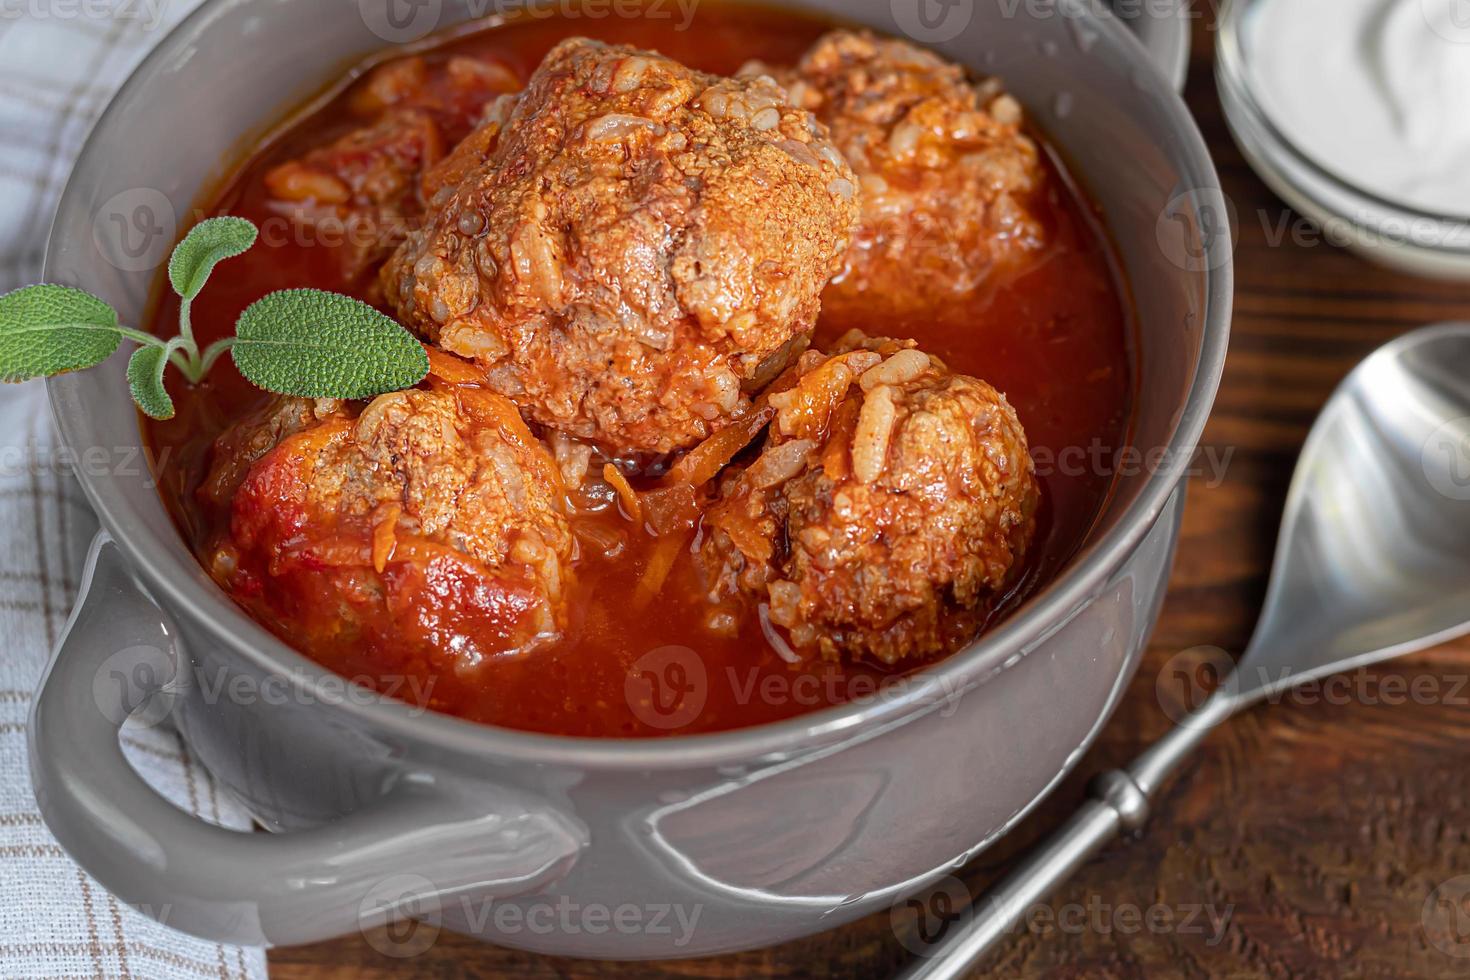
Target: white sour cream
{"x":1375,"y":91}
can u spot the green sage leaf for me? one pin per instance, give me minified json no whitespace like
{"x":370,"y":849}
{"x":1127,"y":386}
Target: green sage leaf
{"x":145,"y":379}
{"x":316,"y":344}
{"x":46,"y":330}
{"x":208,"y":243}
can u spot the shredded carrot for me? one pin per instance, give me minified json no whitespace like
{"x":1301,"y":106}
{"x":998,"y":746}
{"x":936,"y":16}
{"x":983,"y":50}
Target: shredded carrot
{"x":508,"y":417}
{"x":385,"y":535}
{"x":744,"y":531}
{"x":704,"y":462}
{"x":836,"y":464}
{"x":656,"y":572}
{"x":625,"y":491}
{"x":809,"y":405}
{"x":453,"y":370}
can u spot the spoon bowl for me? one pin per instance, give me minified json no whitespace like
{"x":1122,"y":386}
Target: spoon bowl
{"x":1373,"y":562}
{"x":1374,"y":554}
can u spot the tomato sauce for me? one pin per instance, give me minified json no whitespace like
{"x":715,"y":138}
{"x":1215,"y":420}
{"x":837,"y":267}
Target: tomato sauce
{"x":1055,"y":336}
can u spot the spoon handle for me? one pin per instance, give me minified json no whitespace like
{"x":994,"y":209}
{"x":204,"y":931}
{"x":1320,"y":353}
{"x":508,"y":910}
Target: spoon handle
{"x":1119,"y":803}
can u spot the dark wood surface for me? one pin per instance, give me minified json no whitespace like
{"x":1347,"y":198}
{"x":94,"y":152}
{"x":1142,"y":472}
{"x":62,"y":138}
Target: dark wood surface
{"x":1312,"y":831}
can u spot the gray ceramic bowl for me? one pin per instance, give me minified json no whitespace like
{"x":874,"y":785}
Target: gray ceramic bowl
{"x":579,"y":847}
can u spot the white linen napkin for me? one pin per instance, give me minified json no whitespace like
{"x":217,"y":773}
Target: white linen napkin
{"x":59,"y":63}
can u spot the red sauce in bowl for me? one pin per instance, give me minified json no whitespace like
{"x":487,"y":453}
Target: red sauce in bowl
{"x":1054,"y":336}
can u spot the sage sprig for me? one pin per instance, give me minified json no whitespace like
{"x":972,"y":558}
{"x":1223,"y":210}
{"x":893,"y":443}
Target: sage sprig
{"x":305,"y":342}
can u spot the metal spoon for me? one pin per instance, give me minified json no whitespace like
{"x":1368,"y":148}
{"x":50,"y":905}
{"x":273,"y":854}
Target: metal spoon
{"x":1373,"y":563}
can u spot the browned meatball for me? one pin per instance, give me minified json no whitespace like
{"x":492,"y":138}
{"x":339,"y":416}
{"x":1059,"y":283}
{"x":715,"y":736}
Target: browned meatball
{"x":640,"y":246}
{"x":431,"y":523}
{"x":947,"y":175}
{"x":892,"y":501}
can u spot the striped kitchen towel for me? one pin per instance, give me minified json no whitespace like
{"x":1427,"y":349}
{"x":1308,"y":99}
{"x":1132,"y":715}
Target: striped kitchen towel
{"x":59,"y":63}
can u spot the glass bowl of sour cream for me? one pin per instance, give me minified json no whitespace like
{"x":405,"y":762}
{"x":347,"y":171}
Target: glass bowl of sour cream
{"x":1357,"y":114}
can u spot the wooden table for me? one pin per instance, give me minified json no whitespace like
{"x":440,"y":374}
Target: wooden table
{"x":1313,"y":831}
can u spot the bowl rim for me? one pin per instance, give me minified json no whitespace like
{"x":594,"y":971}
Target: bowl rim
{"x":1237,"y":89}
{"x":187,"y":596}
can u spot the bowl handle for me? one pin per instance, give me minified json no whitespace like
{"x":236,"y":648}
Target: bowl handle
{"x":404,"y":854}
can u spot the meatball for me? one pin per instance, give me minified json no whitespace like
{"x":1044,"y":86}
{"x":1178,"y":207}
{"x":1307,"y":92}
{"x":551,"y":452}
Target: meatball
{"x":890,"y":505}
{"x":431,"y":523}
{"x":640,"y":247}
{"x":948,"y":178}
{"x":363,"y":191}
